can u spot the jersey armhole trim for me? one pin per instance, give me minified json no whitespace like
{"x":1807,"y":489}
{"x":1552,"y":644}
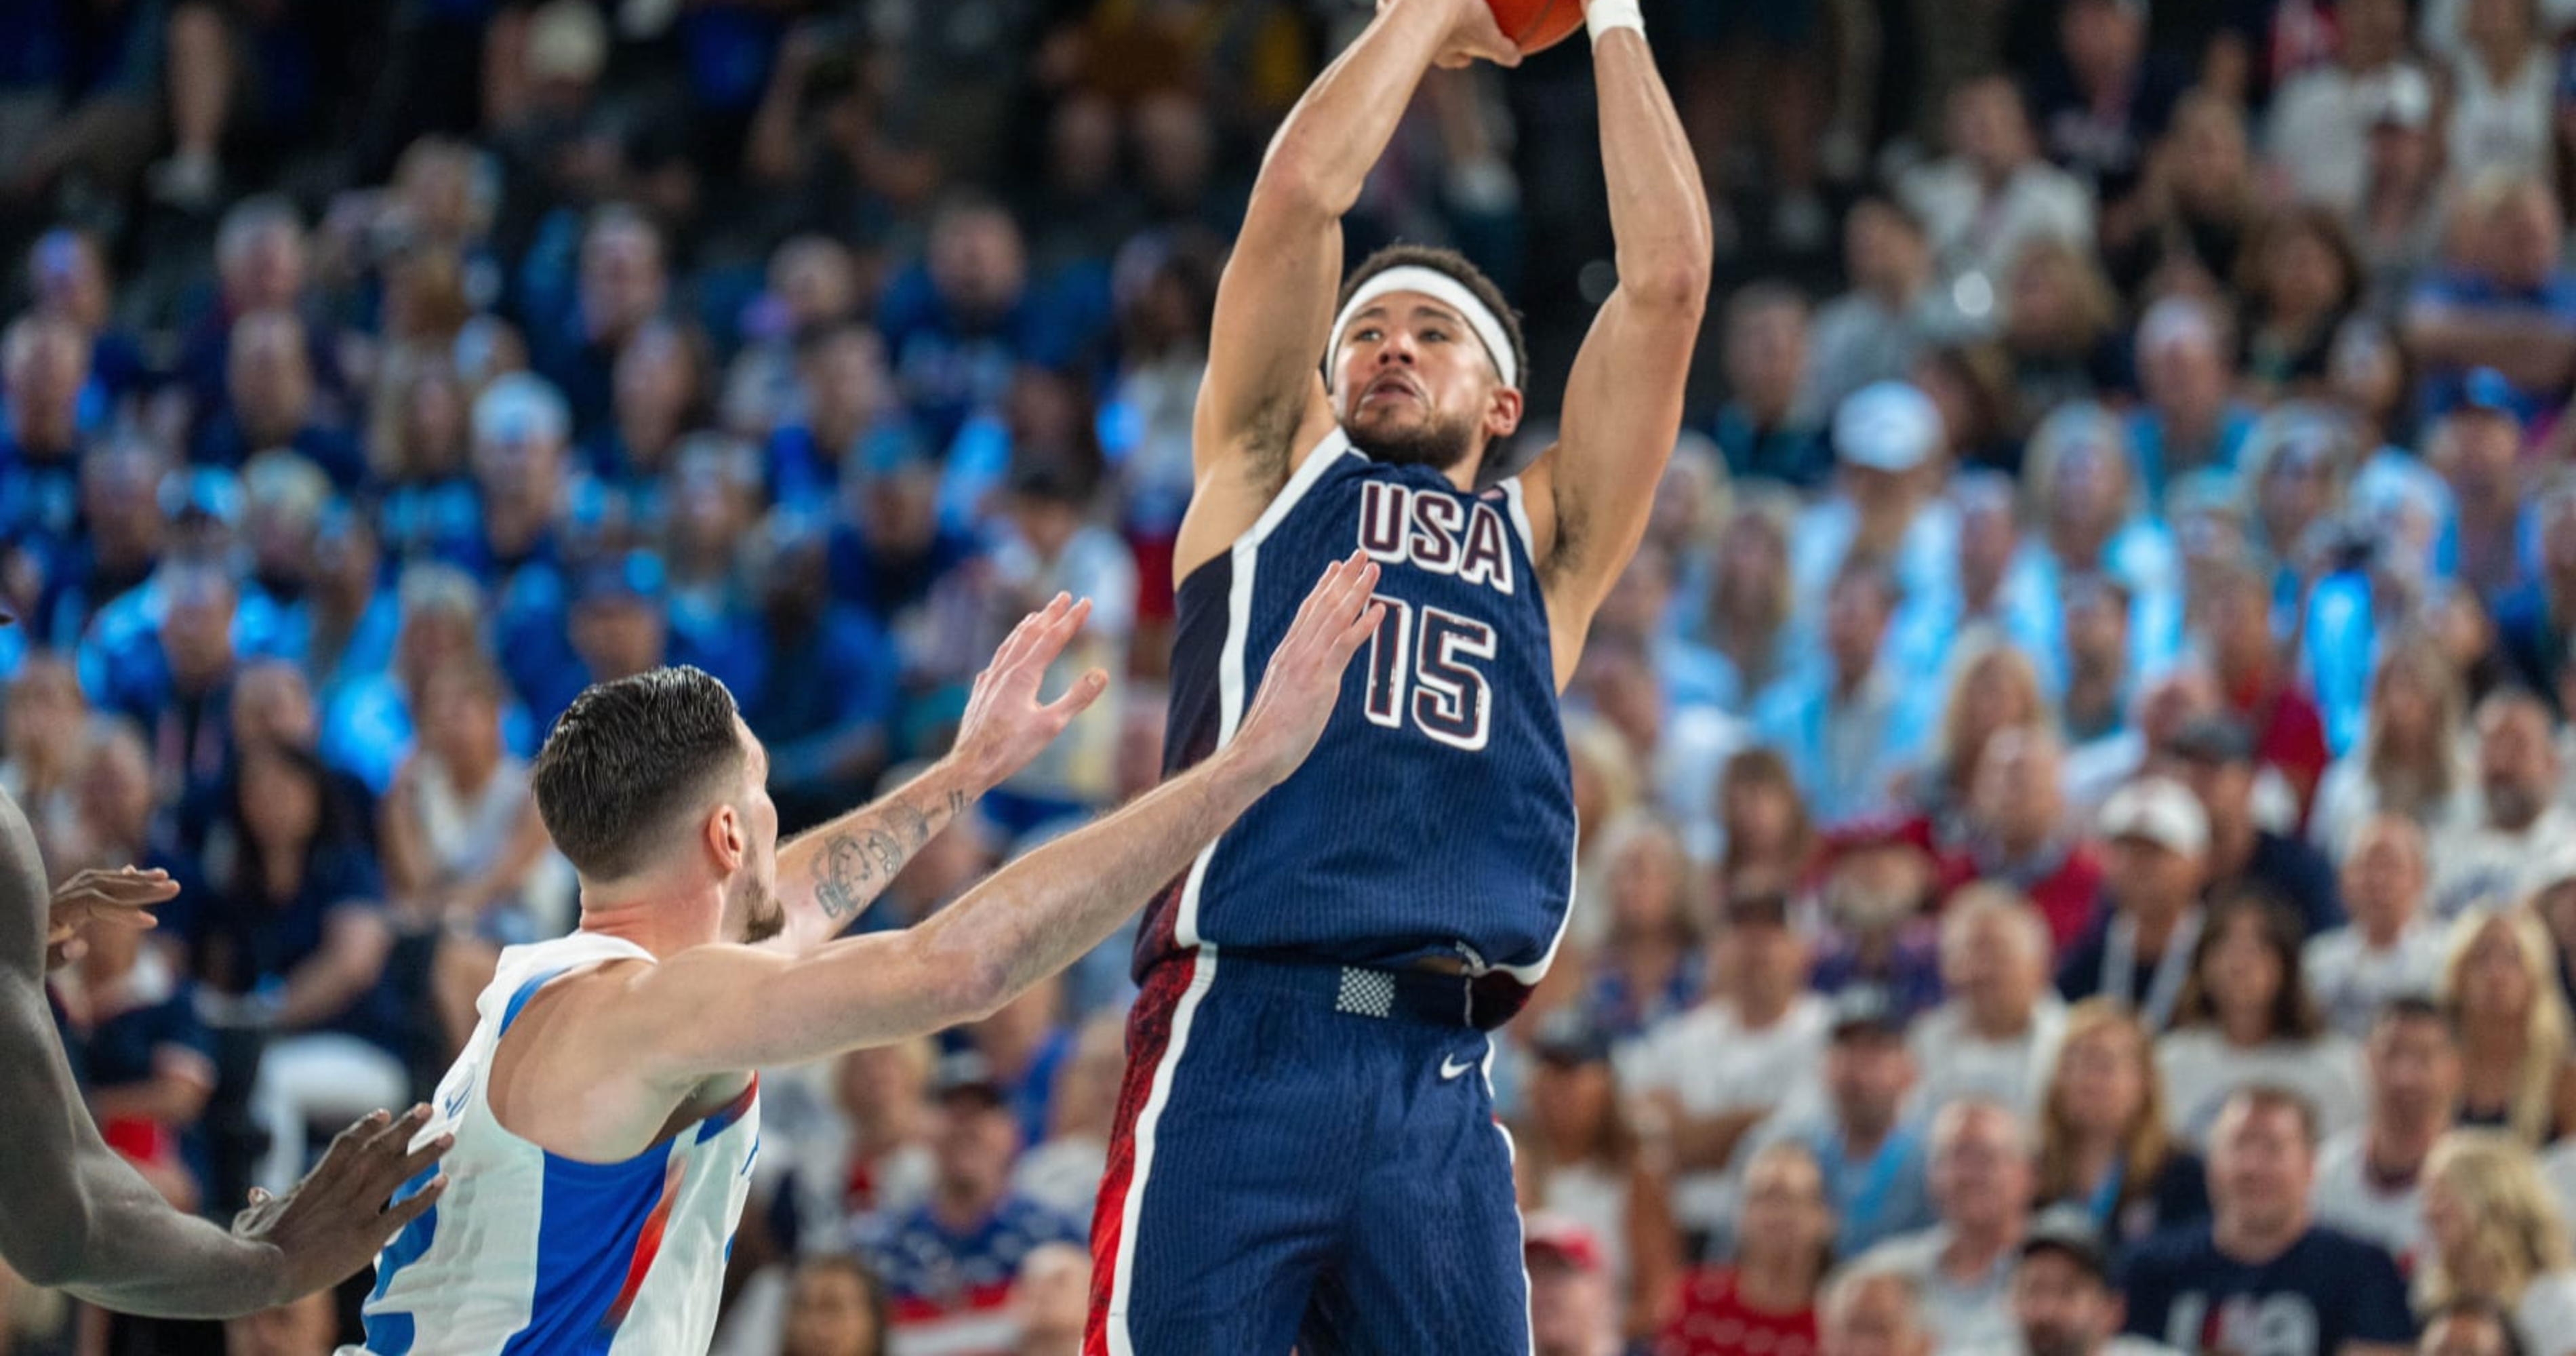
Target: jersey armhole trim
{"x":1327,"y":452}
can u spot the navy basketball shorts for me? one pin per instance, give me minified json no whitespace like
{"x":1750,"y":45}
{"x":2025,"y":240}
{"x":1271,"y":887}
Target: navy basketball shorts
{"x":1306,"y":1157}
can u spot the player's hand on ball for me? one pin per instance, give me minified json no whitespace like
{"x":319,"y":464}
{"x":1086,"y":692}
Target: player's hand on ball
{"x":1305,"y":675}
{"x":336,"y":1220}
{"x":122,"y":898}
{"x":1005,"y":725}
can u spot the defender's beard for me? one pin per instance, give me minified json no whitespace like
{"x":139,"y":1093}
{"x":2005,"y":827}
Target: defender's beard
{"x":763,"y":918}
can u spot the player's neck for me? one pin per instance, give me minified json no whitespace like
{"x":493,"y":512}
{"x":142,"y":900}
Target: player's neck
{"x":655,"y":916}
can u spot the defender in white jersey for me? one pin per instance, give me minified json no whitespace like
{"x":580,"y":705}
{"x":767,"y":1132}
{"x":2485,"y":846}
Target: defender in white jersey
{"x":604,"y":1116}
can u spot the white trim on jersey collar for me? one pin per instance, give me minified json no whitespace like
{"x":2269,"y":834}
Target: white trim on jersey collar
{"x":1447,"y":291}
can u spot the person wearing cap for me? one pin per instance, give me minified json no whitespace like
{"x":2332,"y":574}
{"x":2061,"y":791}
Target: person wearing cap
{"x":2317,"y":132}
{"x":1981,"y":1176}
{"x":2478,"y":447}
{"x":1764,"y":430}
{"x":949,"y":1263}
{"x":1573,"y":1309}
{"x":1849,"y":726}
{"x":1705,"y":1080}
{"x":2512,"y":308}
{"x":2063,"y":1298}
{"x":2401,"y":215}
{"x":1765,"y":1300}
{"x":2139,"y":951}
{"x":2370,"y":1178}
{"x":1891,"y":455}
{"x":1870,"y":1154}
{"x":2216,"y":756}
{"x":2521,"y":826}
{"x":2392,"y":947}
{"x":2261,"y":1276}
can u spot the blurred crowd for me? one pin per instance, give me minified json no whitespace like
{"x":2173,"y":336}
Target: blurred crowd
{"x":2077,"y":787}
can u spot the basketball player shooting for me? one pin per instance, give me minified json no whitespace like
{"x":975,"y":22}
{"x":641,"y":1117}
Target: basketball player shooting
{"x":604,"y":1112}
{"x":1302,"y":1157}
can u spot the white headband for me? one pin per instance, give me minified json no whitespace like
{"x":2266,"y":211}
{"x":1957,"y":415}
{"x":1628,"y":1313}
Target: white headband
{"x":1447,"y":291}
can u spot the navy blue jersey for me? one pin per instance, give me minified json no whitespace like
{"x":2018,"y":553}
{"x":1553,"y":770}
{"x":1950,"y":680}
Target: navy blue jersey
{"x":1436,"y":815}
{"x":2326,"y":1290}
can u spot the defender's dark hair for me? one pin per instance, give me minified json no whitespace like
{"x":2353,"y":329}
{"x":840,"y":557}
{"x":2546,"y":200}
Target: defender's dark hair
{"x":1457,"y":267}
{"x":627,"y":758}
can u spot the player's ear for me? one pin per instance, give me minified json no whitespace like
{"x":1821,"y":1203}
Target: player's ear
{"x":1503,"y":412}
{"x":728,"y":840}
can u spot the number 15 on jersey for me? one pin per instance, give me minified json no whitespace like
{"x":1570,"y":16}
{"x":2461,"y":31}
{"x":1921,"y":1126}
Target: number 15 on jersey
{"x":1419,"y":668}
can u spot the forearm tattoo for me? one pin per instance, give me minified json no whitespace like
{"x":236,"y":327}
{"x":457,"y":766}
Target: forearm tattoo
{"x":859,"y":859}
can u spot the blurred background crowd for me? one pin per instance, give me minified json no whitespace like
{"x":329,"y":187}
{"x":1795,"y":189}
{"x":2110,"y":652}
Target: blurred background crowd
{"x":2079,"y":776}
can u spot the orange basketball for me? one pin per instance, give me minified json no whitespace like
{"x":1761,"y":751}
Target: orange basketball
{"x":1537,"y":24}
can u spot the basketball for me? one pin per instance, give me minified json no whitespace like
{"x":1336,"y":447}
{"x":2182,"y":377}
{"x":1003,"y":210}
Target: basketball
{"x":1534,"y":25}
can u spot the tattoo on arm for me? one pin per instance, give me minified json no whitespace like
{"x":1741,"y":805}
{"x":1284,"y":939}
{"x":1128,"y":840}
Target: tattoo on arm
{"x":860,"y":860}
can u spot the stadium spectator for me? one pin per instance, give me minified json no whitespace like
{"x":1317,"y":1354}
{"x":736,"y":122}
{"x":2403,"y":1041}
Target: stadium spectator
{"x":2218,"y":757}
{"x":2496,"y":1235}
{"x":1581,"y":1160}
{"x":2191,"y":419}
{"x":2245,"y":1019}
{"x":1980,"y":1178}
{"x":1992,"y":194}
{"x":1997,"y":1033}
{"x":949,"y":1262}
{"x":2468,"y":1327}
{"x":1891,"y":448}
{"x":2018,"y":834}
{"x":1574,"y":1311}
{"x":1765,"y":432}
{"x":2138,"y":951}
{"x":2390,"y":949}
{"x":1846,"y":727}
{"x":2260,"y":1274}
{"x":2486,"y":864}
{"x":2103,"y":1142}
{"x":1892,"y":314}
{"x":2062,"y":1296}
{"x":2409,"y":761}
{"x":2505,"y":307}
{"x":2514,"y":1044}
{"x":1872,"y":1311}
{"x":1708,"y":1078}
{"x":1858,"y":1136}
{"x":2317,"y":135}
{"x":835,"y":1307}
{"x":2370,"y":1178}
{"x":1765,"y":1300}
{"x":1765,"y":826}
{"x":1649,"y":963}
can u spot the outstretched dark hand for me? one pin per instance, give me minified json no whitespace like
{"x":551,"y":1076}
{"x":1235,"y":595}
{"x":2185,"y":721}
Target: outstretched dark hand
{"x":122,"y":898}
{"x":337,"y":1219}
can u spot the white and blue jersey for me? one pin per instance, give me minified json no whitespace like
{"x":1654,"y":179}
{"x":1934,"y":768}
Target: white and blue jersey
{"x":1436,"y":814}
{"x":529,"y":1251}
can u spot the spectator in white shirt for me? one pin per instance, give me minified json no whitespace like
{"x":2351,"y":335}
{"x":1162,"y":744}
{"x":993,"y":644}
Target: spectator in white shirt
{"x":2489,"y":866}
{"x":2389,"y":948}
{"x":2320,"y":121}
{"x":1706,"y":1079}
{"x":2499,"y":982}
{"x":1962,"y":1267}
{"x":2370,"y":1179}
{"x":1872,"y":1311}
{"x":2497,"y":1236}
{"x":1997,"y":1034}
{"x":1993,"y":194}
{"x":1893,"y":312}
{"x":2245,"y":1019}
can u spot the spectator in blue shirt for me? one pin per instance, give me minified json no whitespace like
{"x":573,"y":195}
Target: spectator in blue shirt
{"x":1764,"y":431}
{"x":624,"y":282}
{"x":2513,"y":308}
{"x":2261,"y":1277}
{"x":958,"y":326}
{"x":1870,"y":1153}
{"x":1846,"y":726}
{"x":824,"y":691}
{"x":271,"y":403}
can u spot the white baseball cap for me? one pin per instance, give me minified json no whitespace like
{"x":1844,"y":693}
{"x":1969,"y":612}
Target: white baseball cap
{"x":1889,"y":426}
{"x":2160,"y":810}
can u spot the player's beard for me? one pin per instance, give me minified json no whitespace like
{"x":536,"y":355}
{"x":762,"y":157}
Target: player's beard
{"x":762,"y":918}
{"x":1438,"y":443}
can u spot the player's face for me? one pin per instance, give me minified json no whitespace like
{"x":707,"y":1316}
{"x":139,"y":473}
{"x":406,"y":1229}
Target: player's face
{"x":1412,"y":384}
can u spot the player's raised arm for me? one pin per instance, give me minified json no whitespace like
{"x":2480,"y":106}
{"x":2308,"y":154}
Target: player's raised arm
{"x":714,"y":1009}
{"x":828,"y":876}
{"x":1275,"y":302}
{"x":1623,"y":403}
{"x":74,"y":1215}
